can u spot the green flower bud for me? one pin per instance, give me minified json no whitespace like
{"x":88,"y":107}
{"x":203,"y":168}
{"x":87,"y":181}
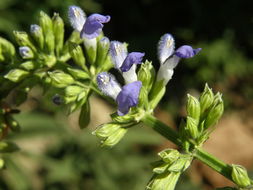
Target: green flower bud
{"x":215,"y":112}
{"x":58,"y":28}
{"x":16,"y":75}
{"x":169,"y":155}
{"x":8,"y":147}
{"x":48,"y":60}
{"x":107,"y":65}
{"x":164,"y":181}
{"x":1,"y":163}
{"x":13,"y":124}
{"x":84,"y":117}
{"x":69,"y":99}
{"x":7,"y":49}
{"x":73,"y":90}
{"x":181,"y":164}
{"x":90,"y":46}
{"x":47,"y":28}
{"x":156,"y":94}
{"x":102,"y":51}
{"x":146,"y":75}
{"x":25,"y":52}
{"x":23,"y":39}
{"x":110,"y":133}
{"x":60,"y":79}
{"x":78,"y":74}
{"x":28,"y":65}
{"x":206,"y":99}
{"x":240,"y":176}
{"x":193,"y":107}
{"x":76,"y":53}
{"x":37,"y":35}
{"x":161,"y":168}
{"x":192,"y":127}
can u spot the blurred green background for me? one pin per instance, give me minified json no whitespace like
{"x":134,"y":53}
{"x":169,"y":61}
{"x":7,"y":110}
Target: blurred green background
{"x":56,"y":155}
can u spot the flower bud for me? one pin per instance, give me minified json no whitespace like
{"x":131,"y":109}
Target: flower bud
{"x":193,"y":107}
{"x":181,"y":164}
{"x":164,"y":181}
{"x":240,"y":176}
{"x":78,"y":74}
{"x":206,"y":99}
{"x":57,"y":99}
{"x":47,"y":28}
{"x":110,"y":133}
{"x":58,"y":28}
{"x":73,"y":90}
{"x":84,"y":117}
{"x":16,"y":75}
{"x":156,"y":94}
{"x":23,"y":39}
{"x":7,"y":49}
{"x":25,"y":52}
{"x":90,"y":46}
{"x":102,"y":51}
{"x":8,"y":147}
{"x":60,"y":79}
{"x":37,"y":34}
{"x":215,"y":112}
{"x":1,"y":163}
{"x":146,"y":75}
{"x":76,"y":53}
{"x":192,"y":127}
{"x":169,"y":155}
{"x":28,"y":65}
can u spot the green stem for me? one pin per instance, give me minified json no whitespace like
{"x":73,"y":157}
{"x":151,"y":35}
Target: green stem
{"x":166,"y":131}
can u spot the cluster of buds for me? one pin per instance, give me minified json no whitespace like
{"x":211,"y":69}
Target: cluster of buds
{"x":202,"y":115}
{"x":168,"y":170}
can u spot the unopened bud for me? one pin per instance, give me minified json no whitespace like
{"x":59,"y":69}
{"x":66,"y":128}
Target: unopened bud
{"x":240,"y":176}
{"x":28,"y":65}
{"x":25,"y":52}
{"x":78,"y":74}
{"x":16,"y":75}
{"x":37,"y":34}
{"x":102,"y":51}
{"x":23,"y":39}
{"x":60,"y":79}
{"x":90,"y":46}
{"x":7,"y":49}
{"x":77,"y":55}
{"x":169,"y":155}
{"x":193,"y":107}
{"x":215,"y":112}
{"x":58,"y":28}
{"x":47,"y":28}
{"x":146,"y":75}
{"x":73,"y":90}
{"x":192,"y":127}
{"x":206,"y":99}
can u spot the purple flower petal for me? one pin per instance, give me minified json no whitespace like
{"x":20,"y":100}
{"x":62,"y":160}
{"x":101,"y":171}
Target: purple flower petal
{"x":186,"y":51}
{"x":128,"y":97}
{"x":166,"y":47}
{"x":93,"y":25}
{"x":77,"y":17}
{"x":132,"y":58}
{"x":118,"y":52}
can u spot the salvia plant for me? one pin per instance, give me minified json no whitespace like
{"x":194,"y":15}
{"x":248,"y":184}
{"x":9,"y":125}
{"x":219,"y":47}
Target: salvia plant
{"x":75,"y":69}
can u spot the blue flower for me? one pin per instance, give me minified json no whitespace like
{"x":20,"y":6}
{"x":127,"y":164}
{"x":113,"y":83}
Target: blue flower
{"x":128,"y":97}
{"x":108,"y":85}
{"x":118,"y":52}
{"x":93,"y":25}
{"x":132,"y":58}
{"x":169,"y":58}
{"x":77,"y":17}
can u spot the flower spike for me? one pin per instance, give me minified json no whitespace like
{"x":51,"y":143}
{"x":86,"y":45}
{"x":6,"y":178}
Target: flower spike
{"x":108,"y":84}
{"x":93,"y":25}
{"x":132,"y":58}
{"x":128,"y":97}
{"x":77,"y":17}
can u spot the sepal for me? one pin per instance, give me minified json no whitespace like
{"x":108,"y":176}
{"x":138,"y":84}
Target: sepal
{"x":58,"y":29}
{"x":16,"y":75}
{"x":240,"y":176}
{"x":60,"y":79}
